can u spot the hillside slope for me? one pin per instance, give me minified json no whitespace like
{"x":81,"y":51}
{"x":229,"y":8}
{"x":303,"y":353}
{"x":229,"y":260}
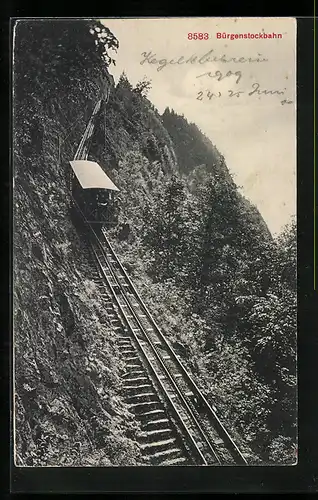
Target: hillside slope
{"x":68,"y":403}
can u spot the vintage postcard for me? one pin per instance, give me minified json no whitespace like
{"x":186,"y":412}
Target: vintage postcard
{"x":154,"y":242}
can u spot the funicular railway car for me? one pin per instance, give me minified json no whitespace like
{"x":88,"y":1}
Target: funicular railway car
{"x":94,"y":193}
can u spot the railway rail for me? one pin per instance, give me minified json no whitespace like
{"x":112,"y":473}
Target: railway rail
{"x":82,"y":150}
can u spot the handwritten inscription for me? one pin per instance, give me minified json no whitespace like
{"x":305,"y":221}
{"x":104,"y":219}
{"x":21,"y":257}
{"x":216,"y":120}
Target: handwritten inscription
{"x":220,"y":76}
{"x":286,"y":101}
{"x":256,"y":90}
{"x":208,"y":57}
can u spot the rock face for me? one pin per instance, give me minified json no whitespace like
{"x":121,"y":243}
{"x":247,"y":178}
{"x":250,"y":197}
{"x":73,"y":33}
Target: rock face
{"x":67,"y":385}
{"x":67,"y":367}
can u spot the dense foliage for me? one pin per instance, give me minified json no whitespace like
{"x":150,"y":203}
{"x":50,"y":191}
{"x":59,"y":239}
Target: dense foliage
{"x":208,"y":259}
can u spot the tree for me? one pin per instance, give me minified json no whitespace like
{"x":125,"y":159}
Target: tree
{"x":61,"y":51}
{"x":143,"y":87}
{"x":104,"y":40}
{"x":166,"y":230}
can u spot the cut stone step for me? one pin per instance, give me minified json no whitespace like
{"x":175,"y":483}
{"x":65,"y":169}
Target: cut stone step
{"x":135,"y":379}
{"x":157,"y":444}
{"x":144,"y":404}
{"x":174,"y":461}
{"x":171,"y":451}
{"x":152,"y":412}
{"x":143,"y":395}
{"x":158,"y":432}
{"x":135,"y":387}
{"x":134,"y":372}
{"x":156,"y":422}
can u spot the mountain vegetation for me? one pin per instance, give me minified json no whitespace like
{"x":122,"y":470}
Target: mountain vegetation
{"x":222,"y":289}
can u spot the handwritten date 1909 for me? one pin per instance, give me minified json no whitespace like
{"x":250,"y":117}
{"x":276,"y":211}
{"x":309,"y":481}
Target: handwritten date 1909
{"x":219,"y":76}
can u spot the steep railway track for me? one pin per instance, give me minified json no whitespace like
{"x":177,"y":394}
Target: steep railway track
{"x":179,"y":427}
{"x":213,"y":444}
{"x":160,"y":440}
{"x":82,"y":150}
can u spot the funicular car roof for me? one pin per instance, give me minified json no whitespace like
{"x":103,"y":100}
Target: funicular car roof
{"x":91,"y":176}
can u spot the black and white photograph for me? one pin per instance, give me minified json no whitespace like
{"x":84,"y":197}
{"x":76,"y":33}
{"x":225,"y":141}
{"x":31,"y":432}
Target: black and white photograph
{"x":154,"y":242}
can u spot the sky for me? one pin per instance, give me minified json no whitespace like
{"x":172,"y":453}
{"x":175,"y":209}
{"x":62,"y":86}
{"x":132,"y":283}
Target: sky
{"x":256,"y":132}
